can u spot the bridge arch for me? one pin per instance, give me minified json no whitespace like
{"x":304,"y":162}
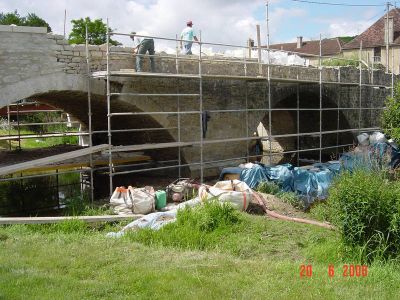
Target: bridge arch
{"x":286,"y":119}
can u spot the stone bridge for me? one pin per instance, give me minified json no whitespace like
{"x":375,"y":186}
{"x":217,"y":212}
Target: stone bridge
{"x":44,"y":67}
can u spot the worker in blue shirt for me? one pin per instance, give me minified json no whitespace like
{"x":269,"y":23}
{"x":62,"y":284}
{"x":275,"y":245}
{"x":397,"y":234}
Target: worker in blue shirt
{"x":188,"y":35}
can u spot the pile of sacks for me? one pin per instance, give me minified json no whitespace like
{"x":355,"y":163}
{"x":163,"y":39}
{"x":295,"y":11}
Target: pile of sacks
{"x":233,"y":191}
{"x":128,"y":201}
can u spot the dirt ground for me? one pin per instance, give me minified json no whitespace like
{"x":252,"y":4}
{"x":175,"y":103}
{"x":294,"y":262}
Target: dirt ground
{"x":275,"y":204}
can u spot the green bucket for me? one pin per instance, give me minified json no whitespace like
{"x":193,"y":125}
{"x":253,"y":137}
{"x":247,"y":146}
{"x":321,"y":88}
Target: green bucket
{"x":161,"y":199}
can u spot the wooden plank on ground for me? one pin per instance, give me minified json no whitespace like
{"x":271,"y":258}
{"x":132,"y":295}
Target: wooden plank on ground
{"x":48,"y":220}
{"x":51,"y":159}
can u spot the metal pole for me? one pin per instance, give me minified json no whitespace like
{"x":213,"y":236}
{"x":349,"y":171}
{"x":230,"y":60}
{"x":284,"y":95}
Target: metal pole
{"x":9,"y":123}
{"x":247,"y":121}
{"x":360,"y":88}
{"x":65,"y":20}
{"x":18,"y":127}
{"x":176,"y":55}
{"x":392,"y":93}
{"x":110,"y":161}
{"x":267,"y":13}
{"x":320,"y":98}
{"x":201,"y":114}
{"x":298,"y":121}
{"x":259,"y":49}
{"x":387,"y":36}
{"x":89,"y":113}
{"x":338,"y":116}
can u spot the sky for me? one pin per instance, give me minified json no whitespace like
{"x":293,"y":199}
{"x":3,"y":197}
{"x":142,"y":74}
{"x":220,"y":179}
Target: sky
{"x":220,"y":21}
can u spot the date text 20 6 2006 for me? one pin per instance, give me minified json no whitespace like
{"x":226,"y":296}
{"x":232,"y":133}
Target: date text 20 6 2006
{"x":345,"y":271}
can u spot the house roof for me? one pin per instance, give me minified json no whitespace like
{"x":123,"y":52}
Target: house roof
{"x":374,"y":36}
{"x":328,"y":47}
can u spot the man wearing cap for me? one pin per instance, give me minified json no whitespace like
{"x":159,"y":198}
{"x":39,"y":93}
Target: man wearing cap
{"x":141,"y":46}
{"x":188,"y":35}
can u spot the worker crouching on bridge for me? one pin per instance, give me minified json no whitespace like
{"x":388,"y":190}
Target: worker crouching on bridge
{"x":141,"y":46}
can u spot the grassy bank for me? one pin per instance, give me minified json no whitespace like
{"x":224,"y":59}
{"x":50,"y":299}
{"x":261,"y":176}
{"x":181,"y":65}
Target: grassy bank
{"x":257,"y":258}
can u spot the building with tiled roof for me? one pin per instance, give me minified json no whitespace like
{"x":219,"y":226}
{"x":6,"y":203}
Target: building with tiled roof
{"x":373,"y":42}
{"x":311,"y":49}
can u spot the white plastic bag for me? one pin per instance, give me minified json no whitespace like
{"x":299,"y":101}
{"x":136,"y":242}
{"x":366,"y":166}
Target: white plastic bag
{"x":235,"y":192}
{"x":363,"y":139}
{"x":377,"y":137}
{"x":121,"y":202}
{"x":143,"y":199}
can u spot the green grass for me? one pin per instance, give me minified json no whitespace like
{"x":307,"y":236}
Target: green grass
{"x":257,"y":258}
{"x":34,"y":143}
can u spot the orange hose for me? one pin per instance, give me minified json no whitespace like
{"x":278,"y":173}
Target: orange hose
{"x":273,"y":214}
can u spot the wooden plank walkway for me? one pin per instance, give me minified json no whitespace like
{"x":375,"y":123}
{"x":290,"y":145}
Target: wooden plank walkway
{"x":51,"y":159}
{"x":49,"y":220}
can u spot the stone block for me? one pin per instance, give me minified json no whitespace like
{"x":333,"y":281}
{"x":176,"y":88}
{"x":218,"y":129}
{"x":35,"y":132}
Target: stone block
{"x":67,"y":48}
{"x":94,"y":47}
{"x":5,"y":28}
{"x":29,"y":29}
{"x":62,"y":42}
{"x":96,"y":53}
{"x":79,"y":47}
{"x":76,"y":59}
{"x":70,"y":53}
{"x":58,"y":36}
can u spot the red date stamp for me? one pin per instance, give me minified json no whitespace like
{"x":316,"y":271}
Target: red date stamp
{"x":345,"y":271}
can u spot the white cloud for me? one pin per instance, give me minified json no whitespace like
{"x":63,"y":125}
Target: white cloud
{"x":222,"y":21}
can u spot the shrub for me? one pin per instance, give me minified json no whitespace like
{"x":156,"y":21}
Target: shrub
{"x":391,"y":115}
{"x":365,"y":206}
{"x":268,"y":187}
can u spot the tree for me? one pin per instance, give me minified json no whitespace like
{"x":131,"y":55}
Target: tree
{"x":391,"y":115}
{"x":33,"y":20}
{"x":97,"y":32}
{"x":30,"y":20}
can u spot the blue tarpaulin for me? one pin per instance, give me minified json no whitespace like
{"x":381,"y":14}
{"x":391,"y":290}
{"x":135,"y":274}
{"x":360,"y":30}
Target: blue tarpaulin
{"x":313,"y":183}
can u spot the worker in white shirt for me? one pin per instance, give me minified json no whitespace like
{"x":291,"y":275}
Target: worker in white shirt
{"x":188,"y":35}
{"x":141,"y":46}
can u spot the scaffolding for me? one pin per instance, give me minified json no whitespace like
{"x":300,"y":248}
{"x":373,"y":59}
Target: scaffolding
{"x":264,"y":74}
{"x":252,"y":71}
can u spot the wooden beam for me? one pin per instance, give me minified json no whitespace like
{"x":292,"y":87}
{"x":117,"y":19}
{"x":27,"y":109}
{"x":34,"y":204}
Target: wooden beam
{"x":48,"y":220}
{"x":51,"y":159}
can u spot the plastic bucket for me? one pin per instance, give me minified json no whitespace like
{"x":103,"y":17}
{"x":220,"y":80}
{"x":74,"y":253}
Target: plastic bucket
{"x":161,"y":199}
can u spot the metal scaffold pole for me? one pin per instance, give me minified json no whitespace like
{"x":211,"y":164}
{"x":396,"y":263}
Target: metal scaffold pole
{"x":269,"y":87}
{"x":338,"y":115}
{"x":89,"y":114}
{"x":110,"y":160}
{"x":360,"y":88}
{"x":201,"y":114}
{"x":320,"y":98}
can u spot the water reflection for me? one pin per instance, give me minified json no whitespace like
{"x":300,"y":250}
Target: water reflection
{"x":40,"y":195}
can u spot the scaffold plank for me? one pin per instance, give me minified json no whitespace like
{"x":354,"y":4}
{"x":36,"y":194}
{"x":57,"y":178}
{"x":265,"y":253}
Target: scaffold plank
{"x":49,"y":220}
{"x":51,"y":159}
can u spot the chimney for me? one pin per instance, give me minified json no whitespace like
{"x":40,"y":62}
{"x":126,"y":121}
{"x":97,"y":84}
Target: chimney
{"x":389,"y":29}
{"x":299,"y":42}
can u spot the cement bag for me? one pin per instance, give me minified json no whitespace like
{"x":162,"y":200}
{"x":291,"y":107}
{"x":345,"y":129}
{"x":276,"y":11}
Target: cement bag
{"x":121,"y":202}
{"x":235,"y":192}
{"x":143,"y":199}
{"x":377,"y":137}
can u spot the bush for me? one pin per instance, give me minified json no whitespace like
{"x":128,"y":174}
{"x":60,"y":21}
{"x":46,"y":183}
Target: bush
{"x":365,"y":206}
{"x":268,"y":187}
{"x":391,"y":115}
